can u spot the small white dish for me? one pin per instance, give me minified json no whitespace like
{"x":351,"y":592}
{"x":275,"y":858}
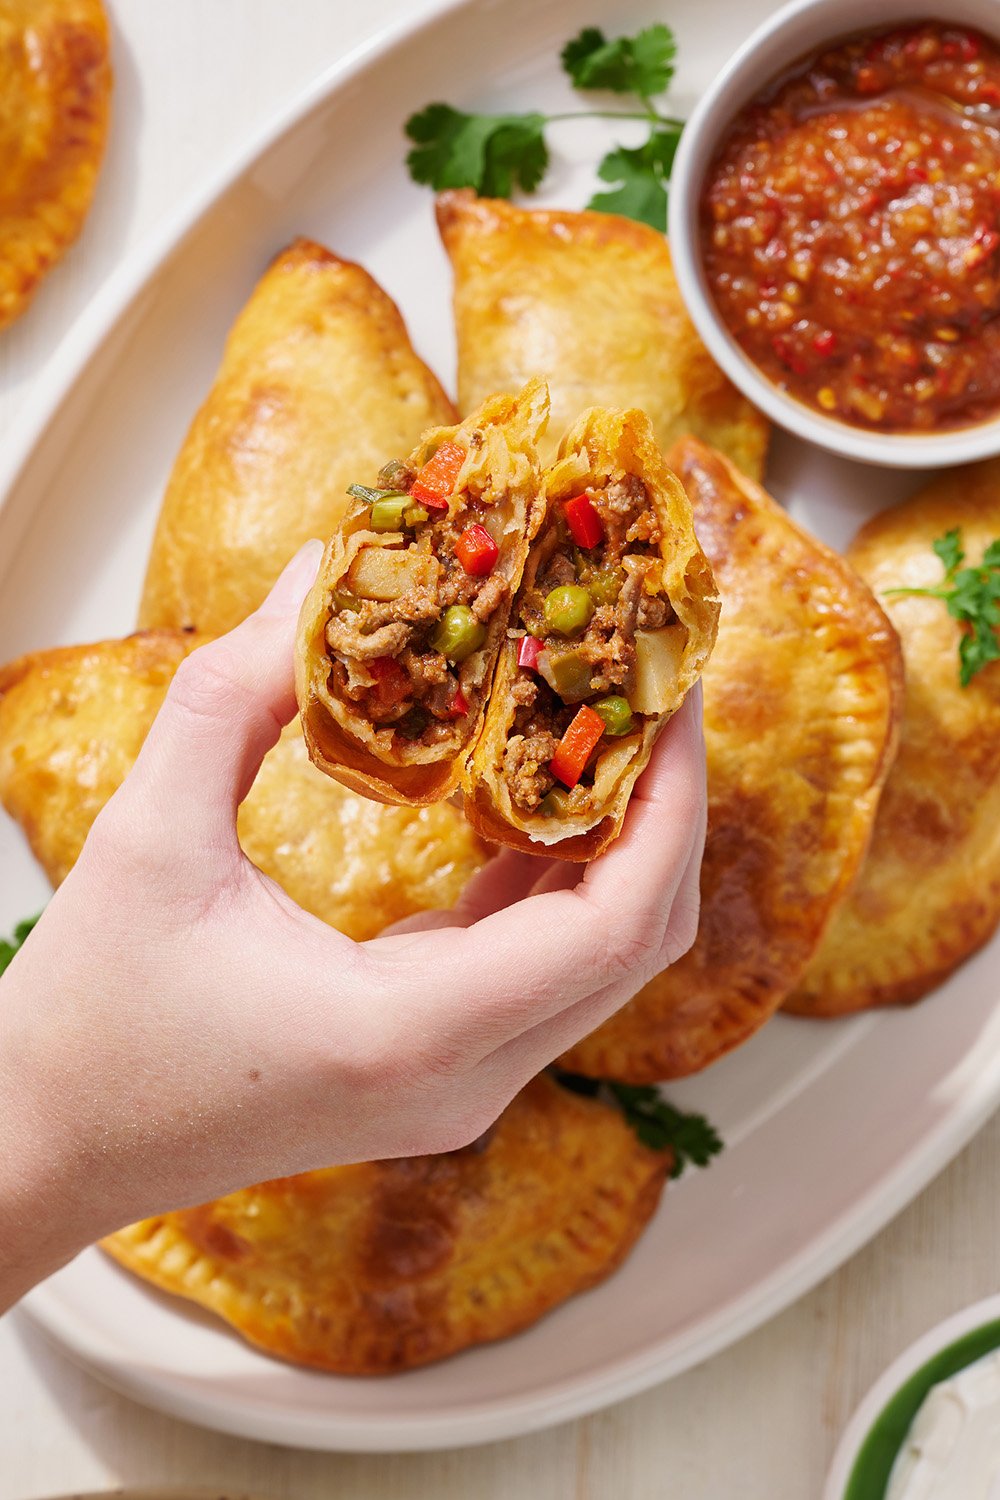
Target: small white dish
{"x":792,"y":33}
{"x":876,"y":1433}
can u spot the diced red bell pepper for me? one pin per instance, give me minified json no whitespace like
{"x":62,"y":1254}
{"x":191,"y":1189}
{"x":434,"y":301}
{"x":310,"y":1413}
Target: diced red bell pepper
{"x":392,"y":682}
{"x":574,"y":749}
{"x":436,"y":480}
{"x":476,"y":550}
{"x":529,"y":651}
{"x":459,"y":705}
{"x":584,"y":522}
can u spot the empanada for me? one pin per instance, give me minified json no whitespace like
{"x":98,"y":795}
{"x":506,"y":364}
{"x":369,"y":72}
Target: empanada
{"x":318,"y":382}
{"x":378,"y":1268}
{"x":55,"y":82}
{"x":399,"y":636}
{"x":590,"y":302}
{"x":614,"y":621}
{"x":71,"y":724}
{"x":929,"y":891}
{"x":802,"y":703}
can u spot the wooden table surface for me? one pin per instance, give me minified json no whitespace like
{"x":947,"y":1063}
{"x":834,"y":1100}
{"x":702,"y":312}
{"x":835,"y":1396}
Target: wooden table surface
{"x":758,"y":1422}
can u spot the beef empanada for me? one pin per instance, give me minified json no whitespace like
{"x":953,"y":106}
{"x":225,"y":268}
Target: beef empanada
{"x":381,"y":1267}
{"x":929,"y":891}
{"x":802,"y":703}
{"x":590,"y":302}
{"x":614,"y":621}
{"x":399,"y":636}
{"x":72,"y":721}
{"x":317,"y":382}
{"x":55,"y":82}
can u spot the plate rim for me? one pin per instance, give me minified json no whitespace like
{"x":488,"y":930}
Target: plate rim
{"x":629,"y":1375}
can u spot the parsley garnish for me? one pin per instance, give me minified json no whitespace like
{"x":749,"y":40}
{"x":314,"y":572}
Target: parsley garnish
{"x":972,"y":596}
{"x":497,"y":153}
{"x":9,"y":947}
{"x":658,"y":1124}
{"x":641,"y":64}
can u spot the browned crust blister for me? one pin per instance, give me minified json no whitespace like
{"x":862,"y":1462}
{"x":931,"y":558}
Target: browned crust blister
{"x":339,"y":738}
{"x":803,"y":698}
{"x":318,"y":383}
{"x":55,"y":82}
{"x":601,"y":445}
{"x":382,"y":1267}
{"x":929,"y":892}
{"x":72,"y":721}
{"x":590,"y":302}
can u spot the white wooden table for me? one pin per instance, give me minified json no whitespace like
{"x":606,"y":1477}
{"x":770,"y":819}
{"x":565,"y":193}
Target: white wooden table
{"x":193,"y":78}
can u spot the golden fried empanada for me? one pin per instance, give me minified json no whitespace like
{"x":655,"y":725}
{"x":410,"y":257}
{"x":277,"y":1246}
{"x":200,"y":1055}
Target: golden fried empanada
{"x":318,"y":383}
{"x":71,"y":724}
{"x":802,"y":703}
{"x":72,"y":721}
{"x":574,"y":713}
{"x":590,"y":302}
{"x":55,"y":83}
{"x":929,"y":891}
{"x":371,"y":1269}
{"x":398,"y":637}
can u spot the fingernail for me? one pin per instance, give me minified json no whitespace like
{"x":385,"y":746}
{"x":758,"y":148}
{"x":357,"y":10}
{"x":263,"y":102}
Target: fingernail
{"x":297,"y":577}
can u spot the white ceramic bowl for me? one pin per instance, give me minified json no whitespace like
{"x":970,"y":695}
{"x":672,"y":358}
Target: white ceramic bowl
{"x":877,"y":1431}
{"x":790,"y":34}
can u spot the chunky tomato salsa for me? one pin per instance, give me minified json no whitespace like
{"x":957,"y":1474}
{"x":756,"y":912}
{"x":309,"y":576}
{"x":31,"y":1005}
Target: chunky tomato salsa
{"x":851,"y":229}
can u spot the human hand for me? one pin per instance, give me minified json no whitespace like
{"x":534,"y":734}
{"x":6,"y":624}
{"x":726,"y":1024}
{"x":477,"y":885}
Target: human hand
{"x":177,"y":1027}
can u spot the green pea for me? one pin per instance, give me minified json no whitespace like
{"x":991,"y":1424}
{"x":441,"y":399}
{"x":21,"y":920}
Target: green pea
{"x":458,"y":633}
{"x":387,"y":512}
{"x":568,"y":609}
{"x":616,"y":714}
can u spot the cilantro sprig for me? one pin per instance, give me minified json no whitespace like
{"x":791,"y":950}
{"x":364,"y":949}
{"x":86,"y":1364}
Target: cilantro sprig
{"x":496,"y":154}
{"x":657,"y":1123}
{"x":9,"y":946}
{"x":971,"y":596}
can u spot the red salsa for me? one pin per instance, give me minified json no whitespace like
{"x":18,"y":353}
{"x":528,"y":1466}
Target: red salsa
{"x":851,"y":229}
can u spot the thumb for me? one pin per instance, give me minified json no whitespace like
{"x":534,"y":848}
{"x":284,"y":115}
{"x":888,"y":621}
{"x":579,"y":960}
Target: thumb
{"x":224,"y":711}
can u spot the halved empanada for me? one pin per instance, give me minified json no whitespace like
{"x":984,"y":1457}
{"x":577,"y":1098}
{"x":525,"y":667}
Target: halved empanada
{"x":378,"y":1268}
{"x":72,"y":721}
{"x":802,"y":702}
{"x":929,"y":891}
{"x":589,"y":301}
{"x":318,"y":382}
{"x":399,"y":636}
{"x":614,"y":621}
{"x":55,"y":83}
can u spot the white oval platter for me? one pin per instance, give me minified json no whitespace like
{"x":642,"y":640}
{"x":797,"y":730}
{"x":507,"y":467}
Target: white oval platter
{"x":830,"y":1128}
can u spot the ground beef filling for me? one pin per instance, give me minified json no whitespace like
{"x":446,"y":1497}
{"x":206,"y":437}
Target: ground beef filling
{"x":614,"y":573}
{"x":363,"y":634}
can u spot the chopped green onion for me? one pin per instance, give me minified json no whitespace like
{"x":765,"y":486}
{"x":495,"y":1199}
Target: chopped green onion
{"x":365,"y":492}
{"x":387,"y":512}
{"x":415,"y":515}
{"x":555,"y":804}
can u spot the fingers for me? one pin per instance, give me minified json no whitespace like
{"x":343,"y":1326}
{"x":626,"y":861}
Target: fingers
{"x":522,"y":965}
{"x":508,"y":877}
{"x":225,"y":709}
{"x":525,"y":1055}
